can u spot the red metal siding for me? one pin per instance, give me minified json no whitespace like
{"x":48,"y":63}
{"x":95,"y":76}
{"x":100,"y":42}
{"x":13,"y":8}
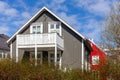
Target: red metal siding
{"x":97,"y":52}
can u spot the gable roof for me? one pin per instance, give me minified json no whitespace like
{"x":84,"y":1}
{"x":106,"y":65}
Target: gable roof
{"x":39,"y":12}
{"x":3,"y":44}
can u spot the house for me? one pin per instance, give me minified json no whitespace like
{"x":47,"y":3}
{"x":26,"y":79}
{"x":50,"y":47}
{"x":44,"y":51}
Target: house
{"x":46,"y":38}
{"x":4,"y":49}
{"x":98,"y":57}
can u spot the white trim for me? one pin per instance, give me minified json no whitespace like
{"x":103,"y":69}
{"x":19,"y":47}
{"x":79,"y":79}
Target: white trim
{"x":11,"y":50}
{"x":44,"y":8}
{"x":40,"y":46}
{"x":16,"y":54}
{"x":35,"y":56}
{"x":60,"y":63}
{"x":82,"y":66}
{"x":3,"y":54}
{"x":16,"y":49}
{"x":55,"y":49}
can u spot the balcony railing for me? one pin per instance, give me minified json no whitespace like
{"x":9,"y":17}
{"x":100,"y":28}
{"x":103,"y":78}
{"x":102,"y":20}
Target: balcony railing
{"x":39,"y":39}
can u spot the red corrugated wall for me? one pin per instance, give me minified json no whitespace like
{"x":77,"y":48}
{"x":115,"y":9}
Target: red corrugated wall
{"x":97,"y":52}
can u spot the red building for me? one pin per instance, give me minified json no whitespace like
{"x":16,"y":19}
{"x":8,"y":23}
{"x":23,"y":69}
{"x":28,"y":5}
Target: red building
{"x":97,"y":57}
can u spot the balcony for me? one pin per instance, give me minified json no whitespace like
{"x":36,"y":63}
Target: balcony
{"x":40,"y":40}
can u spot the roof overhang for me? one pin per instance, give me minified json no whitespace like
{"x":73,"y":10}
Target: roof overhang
{"x":39,"y":12}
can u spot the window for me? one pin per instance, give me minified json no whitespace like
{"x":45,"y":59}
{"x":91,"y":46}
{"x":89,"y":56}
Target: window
{"x":36,"y":28}
{"x":95,"y":60}
{"x":55,"y":27}
{"x":1,"y":54}
{"x":51,"y":57}
{"x":39,"y":57}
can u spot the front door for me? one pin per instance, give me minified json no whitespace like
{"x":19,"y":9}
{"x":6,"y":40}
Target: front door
{"x":45,"y":57}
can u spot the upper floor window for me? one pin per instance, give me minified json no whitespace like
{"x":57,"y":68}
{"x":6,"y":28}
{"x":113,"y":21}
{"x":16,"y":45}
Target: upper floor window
{"x":36,"y":28}
{"x":54,"y":27}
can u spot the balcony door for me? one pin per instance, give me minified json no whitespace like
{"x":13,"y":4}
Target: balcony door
{"x":36,"y":28}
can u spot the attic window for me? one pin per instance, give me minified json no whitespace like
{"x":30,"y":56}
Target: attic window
{"x":54,"y":27}
{"x":36,"y":28}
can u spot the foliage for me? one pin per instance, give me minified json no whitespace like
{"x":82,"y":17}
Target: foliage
{"x":10,"y":70}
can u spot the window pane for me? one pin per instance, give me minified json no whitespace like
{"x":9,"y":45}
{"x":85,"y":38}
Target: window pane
{"x":38,"y":29}
{"x":33,"y":55}
{"x":57,"y":26}
{"x":39,"y":55}
{"x":34,"y":29}
{"x":52,"y":61}
{"x":52,"y":26}
{"x":51,"y":55}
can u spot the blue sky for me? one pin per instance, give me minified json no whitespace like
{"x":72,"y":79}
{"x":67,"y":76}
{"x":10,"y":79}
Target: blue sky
{"x":85,"y":16}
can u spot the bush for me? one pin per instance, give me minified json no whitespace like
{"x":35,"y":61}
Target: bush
{"x":10,"y":70}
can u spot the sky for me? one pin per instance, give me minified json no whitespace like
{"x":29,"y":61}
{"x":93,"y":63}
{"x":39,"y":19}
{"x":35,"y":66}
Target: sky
{"x":85,"y":16}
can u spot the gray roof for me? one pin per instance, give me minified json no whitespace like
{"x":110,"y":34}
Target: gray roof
{"x":3,"y":44}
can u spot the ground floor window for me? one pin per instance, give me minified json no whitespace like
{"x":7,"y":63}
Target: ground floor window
{"x":39,"y":57}
{"x":52,"y":57}
{"x":2,"y":55}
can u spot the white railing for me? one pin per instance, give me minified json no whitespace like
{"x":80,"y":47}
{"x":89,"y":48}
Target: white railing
{"x":60,"y":41}
{"x":39,"y":39}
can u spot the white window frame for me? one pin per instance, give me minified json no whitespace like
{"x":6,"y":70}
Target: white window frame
{"x":36,"y":24}
{"x":60,"y":28}
{"x":95,"y":60}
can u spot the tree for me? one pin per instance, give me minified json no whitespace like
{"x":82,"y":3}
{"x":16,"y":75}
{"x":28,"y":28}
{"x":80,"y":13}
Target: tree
{"x":110,"y":35}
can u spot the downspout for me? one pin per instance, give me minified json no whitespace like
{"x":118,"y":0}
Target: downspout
{"x":82,"y":66}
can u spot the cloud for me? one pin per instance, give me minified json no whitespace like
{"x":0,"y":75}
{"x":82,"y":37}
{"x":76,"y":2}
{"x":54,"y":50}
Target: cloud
{"x":91,"y":29}
{"x":71,"y":19}
{"x":54,"y":5}
{"x":4,"y":30}
{"x":97,"y":7}
{"x":6,"y":10}
{"x":58,"y":1}
{"x":26,"y":15}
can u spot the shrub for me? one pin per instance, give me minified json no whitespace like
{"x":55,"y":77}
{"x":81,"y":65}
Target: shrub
{"x":9,"y":70}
